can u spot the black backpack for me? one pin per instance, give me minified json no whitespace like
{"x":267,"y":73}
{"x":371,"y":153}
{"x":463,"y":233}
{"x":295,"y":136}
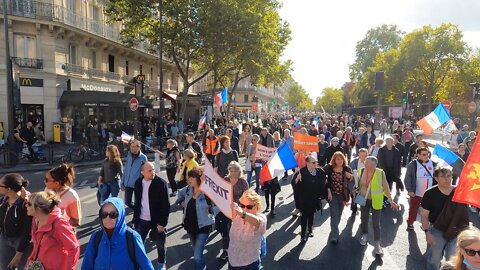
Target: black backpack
{"x":130,"y":245}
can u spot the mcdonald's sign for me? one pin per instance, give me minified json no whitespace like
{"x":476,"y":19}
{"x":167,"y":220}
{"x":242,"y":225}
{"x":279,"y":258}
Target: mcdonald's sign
{"x":141,"y":77}
{"x":29,"y":82}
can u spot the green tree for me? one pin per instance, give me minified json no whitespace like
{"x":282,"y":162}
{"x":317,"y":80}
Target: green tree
{"x":331,"y":99}
{"x":297,"y":97}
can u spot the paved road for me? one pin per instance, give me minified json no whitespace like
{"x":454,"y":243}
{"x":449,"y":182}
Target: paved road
{"x":403,"y":250}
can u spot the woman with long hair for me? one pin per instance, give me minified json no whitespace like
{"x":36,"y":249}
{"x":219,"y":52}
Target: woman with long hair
{"x":111,"y":173}
{"x":60,"y":180}
{"x":188,"y":164}
{"x":198,"y":215}
{"x":338,"y":175}
{"x":272,"y":188}
{"x":468,"y":251}
{"x":15,"y":224}
{"x":55,"y":245}
{"x":252,"y":166}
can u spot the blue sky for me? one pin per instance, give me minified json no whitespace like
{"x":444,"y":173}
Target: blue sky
{"x":325,"y":33}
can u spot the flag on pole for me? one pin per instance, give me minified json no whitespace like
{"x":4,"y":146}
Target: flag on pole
{"x":224,"y":96}
{"x":449,"y":158}
{"x":434,"y":120}
{"x":203,"y":119}
{"x":468,"y":188}
{"x":221,"y":98}
{"x":278,"y":164}
{"x":126,"y":138}
{"x":315,"y":122}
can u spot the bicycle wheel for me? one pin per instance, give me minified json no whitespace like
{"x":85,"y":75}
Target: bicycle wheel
{"x":77,"y":155}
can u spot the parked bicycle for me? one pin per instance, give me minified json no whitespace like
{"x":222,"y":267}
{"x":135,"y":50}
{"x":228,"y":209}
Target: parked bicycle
{"x":84,"y":152}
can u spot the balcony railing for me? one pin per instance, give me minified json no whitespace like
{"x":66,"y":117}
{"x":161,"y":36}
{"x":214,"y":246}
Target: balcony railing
{"x":93,"y":72}
{"x":56,"y":13}
{"x":28,"y":62}
{"x":113,"y":76}
{"x":71,"y":68}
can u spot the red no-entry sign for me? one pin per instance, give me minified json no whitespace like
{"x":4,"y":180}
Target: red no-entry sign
{"x":447,"y":104}
{"x":133,"y":104}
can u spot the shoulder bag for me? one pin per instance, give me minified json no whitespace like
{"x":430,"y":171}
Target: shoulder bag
{"x":360,"y":199}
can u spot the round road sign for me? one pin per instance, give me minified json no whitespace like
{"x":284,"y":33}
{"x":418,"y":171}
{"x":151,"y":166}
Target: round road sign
{"x":133,"y":104}
{"x":447,"y":104}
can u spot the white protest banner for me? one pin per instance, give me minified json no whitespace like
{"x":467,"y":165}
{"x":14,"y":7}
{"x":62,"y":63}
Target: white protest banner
{"x":217,"y":189}
{"x":263,"y":153}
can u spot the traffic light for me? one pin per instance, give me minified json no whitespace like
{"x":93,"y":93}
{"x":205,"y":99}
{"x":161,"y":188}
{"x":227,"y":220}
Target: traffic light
{"x":404,"y":97}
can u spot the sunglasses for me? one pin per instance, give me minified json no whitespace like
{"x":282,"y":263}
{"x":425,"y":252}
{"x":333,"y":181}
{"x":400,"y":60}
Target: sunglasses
{"x":112,"y":215}
{"x":3,"y":186}
{"x":471,"y":252}
{"x":249,"y":207}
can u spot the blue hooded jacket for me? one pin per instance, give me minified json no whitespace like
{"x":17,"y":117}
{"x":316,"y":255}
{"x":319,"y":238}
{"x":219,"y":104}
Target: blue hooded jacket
{"x":113,"y":252}
{"x":132,"y":168}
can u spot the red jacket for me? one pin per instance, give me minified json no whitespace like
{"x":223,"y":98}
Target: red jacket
{"x":59,"y":248}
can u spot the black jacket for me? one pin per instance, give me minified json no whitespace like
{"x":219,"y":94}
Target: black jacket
{"x":15,"y":223}
{"x":331,"y":150}
{"x":158,"y":201}
{"x":397,"y":161}
{"x":310,"y":189}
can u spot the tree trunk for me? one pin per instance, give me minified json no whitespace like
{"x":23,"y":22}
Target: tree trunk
{"x":429,"y":98}
{"x":186,"y":86}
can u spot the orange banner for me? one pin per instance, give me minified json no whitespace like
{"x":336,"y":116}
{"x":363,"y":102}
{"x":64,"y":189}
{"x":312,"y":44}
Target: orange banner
{"x":305,"y":142}
{"x":468,"y":188}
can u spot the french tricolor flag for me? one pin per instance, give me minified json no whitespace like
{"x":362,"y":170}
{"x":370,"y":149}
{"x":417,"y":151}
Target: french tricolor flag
{"x":434,"y":120}
{"x":278,"y":164}
{"x":126,"y":138}
{"x":201,"y":123}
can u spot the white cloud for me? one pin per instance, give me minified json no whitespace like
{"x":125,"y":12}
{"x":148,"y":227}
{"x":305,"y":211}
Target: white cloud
{"x":325,"y":33}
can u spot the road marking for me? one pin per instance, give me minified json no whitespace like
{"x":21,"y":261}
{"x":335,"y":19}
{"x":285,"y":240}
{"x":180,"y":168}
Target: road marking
{"x":87,"y":197}
{"x":84,"y":182}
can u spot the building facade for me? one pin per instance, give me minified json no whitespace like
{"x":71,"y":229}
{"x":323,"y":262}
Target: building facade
{"x":68,"y":64}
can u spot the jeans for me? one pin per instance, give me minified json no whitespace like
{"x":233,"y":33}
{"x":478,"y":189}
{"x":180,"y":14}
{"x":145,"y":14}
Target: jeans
{"x":128,"y":196}
{"x":252,"y":266}
{"x":365,"y":214}
{"x":113,"y":187}
{"x":257,"y":177}
{"x":143,"y":227}
{"x":306,"y":220}
{"x":441,"y":248}
{"x":7,"y":252}
{"x":336,"y":209}
{"x":199,"y":241}
{"x":414,"y":204}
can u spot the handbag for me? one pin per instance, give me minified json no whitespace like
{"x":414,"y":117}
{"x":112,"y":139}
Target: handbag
{"x":360,"y":199}
{"x":35,"y":264}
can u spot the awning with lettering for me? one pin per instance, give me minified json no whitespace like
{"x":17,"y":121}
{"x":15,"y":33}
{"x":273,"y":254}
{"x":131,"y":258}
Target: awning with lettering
{"x":100,"y":99}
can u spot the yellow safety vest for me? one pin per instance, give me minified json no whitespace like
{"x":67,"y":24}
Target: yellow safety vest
{"x":376,"y":188}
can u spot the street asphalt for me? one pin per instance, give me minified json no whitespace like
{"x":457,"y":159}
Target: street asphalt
{"x":403,"y":250}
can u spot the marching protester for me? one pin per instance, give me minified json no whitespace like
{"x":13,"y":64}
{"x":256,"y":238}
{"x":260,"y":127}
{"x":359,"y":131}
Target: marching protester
{"x":390,"y":161}
{"x":233,"y":140}
{"x":322,"y":147}
{"x":368,"y":138}
{"x":418,"y":178}
{"x":462,"y":152}
{"x":15,"y":224}
{"x":196,"y":148}
{"x":376,"y":147}
{"x":266,"y":138}
{"x":226,"y":155}
{"x":348,"y":142}
{"x":372,"y":185}
{"x":245,"y":139}
{"x":198,"y":215}
{"x":246,"y":234}
{"x":110,"y":173}
{"x":239,"y":186}
{"x":356,"y":164}
{"x":468,"y":251}
{"x":272,"y":188}
{"x":135,"y":160}
{"x":173,"y":162}
{"x":310,"y":185}
{"x":115,"y":245}
{"x":401,"y":149}
{"x":189,"y":162}
{"x":333,"y":148}
{"x":251,"y":165}
{"x":442,"y":219}
{"x":151,"y":209}
{"x":55,"y":245}
{"x":358,"y":137}
{"x":338,"y":175}
{"x":300,"y":158}
{"x":60,"y":180}
{"x":412,"y":151}
{"x":212,"y":147}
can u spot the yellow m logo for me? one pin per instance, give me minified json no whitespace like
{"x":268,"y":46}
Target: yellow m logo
{"x":26,"y":82}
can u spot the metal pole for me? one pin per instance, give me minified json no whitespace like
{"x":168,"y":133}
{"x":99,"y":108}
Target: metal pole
{"x":160,"y":49}
{"x":10,"y":105}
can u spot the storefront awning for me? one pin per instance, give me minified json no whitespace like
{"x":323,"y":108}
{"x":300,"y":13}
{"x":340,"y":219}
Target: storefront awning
{"x":98,"y":98}
{"x":171,"y":97}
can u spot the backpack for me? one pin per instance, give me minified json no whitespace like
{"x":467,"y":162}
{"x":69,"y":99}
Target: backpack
{"x":130,"y":245}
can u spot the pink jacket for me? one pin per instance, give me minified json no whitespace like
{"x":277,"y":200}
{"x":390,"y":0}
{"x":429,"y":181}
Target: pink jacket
{"x":59,"y":248}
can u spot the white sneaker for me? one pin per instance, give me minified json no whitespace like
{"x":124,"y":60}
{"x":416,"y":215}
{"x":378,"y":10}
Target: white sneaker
{"x":296,"y":212}
{"x":378,"y":249}
{"x":363,"y":240}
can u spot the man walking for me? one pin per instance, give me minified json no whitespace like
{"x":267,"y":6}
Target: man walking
{"x":132,"y":171}
{"x":151,"y":209}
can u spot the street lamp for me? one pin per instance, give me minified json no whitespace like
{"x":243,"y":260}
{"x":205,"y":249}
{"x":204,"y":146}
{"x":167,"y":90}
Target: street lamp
{"x":10,"y":105}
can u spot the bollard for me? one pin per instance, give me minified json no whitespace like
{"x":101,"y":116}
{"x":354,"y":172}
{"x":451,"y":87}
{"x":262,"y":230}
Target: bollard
{"x":50,"y":154}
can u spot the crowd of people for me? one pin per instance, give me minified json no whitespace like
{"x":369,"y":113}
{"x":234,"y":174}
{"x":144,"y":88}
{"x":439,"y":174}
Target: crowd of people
{"x":353,"y":167}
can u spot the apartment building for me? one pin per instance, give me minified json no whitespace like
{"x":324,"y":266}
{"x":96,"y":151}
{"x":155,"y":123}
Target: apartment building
{"x":69,"y":65}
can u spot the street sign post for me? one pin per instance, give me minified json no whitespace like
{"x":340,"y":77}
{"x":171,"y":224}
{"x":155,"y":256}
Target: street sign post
{"x":447,"y":104}
{"x":133,"y":104}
